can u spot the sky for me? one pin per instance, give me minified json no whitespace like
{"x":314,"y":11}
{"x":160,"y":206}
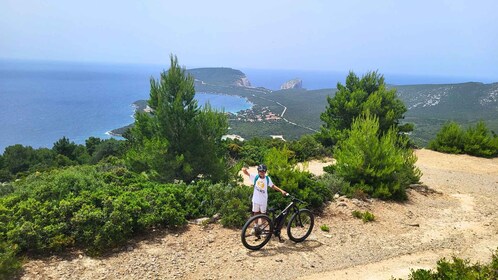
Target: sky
{"x":438,"y":37}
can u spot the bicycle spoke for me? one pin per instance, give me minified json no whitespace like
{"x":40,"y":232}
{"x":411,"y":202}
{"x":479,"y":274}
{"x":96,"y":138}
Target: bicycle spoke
{"x":256,"y":232}
{"x":300,"y":226}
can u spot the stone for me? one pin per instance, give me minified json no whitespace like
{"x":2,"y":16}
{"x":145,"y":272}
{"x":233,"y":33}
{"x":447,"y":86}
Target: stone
{"x":292,"y":84}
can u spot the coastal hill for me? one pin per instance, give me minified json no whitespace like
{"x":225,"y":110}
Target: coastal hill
{"x":294,"y":112}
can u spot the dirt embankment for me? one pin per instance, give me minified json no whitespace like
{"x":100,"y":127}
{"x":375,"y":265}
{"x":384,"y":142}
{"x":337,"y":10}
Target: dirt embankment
{"x":456,"y":215}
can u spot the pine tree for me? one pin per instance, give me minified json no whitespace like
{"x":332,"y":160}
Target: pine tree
{"x":177,"y":140}
{"x":360,"y":96}
{"x":374,"y":162}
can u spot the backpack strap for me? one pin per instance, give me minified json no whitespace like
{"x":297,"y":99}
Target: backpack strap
{"x":257,"y":177}
{"x":255,"y":180}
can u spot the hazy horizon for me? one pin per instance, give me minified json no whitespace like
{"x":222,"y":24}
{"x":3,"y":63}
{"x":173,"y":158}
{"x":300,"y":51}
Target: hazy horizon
{"x":444,"y":38}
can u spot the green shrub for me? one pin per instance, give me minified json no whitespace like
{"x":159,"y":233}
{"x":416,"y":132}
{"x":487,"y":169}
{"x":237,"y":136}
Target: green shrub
{"x":378,"y":165}
{"x":325,"y":228}
{"x":364,"y":216}
{"x":301,"y":184}
{"x":306,"y":148}
{"x":9,"y":263}
{"x":80,"y":206}
{"x":475,"y":141}
{"x":480,"y":142}
{"x":357,"y":214}
{"x":206,"y":199}
{"x":333,"y":182}
{"x":459,"y":269}
{"x":450,"y":139}
{"x":368,"y":217}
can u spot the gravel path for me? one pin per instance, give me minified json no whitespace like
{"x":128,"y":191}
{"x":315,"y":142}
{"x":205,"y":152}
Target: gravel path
{"x":456,"y":215}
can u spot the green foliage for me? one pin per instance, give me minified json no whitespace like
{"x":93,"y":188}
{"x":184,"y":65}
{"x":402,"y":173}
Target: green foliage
{"x":306,"y":148}
{"x":325,"y":228}
{"x":187,"y":137}
{"x":358,"y":97}
{"x":18,"y":158}
{"x":84,"y":207}
{"x":287,"y":176}
{"x":364,"y":216}
{"x":476,"y":141}
{"x":206,"y":199}
{"x":18,"y":161}
{"x":91,"y":144}
{"x":72,"y":151}
{"x":450,"y":139}
{"x":368,"y":217}
{"x":378,"y":165}
{"x":459,"y":269}
{"x":332,"y":181}
{"x":9,"y":263}
{"x":357,"y":214}
{"x":106,"y":148}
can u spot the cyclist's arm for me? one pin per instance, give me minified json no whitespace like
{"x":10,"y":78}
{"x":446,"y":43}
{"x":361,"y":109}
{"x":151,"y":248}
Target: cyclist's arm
{"x":244,"y":170}
{"x":278,"y":189}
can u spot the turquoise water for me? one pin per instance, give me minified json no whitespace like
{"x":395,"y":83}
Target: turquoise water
{"x":42,"y":101}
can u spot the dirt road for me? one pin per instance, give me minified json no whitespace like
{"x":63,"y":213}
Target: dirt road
{"x":456,"y":215}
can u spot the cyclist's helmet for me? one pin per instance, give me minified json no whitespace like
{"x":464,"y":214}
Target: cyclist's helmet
{"x":262,"y":167}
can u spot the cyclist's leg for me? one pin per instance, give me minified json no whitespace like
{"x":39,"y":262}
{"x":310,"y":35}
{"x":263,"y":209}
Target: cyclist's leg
{"x":258,"y":209}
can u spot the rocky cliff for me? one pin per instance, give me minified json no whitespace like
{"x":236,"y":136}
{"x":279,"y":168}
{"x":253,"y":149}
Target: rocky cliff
{"x":294,"y":83}
{"x":243,"y":82}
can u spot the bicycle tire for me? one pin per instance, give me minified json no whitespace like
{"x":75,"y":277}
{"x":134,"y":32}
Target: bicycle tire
{"x":257,"y":239}
{"x":300,"y":225}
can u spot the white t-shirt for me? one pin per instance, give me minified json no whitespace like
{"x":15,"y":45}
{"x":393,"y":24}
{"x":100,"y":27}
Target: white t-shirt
{"x":260,"y":193}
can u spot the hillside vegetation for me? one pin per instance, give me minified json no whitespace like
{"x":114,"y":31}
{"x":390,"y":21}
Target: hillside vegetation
{"x":429,"y":106}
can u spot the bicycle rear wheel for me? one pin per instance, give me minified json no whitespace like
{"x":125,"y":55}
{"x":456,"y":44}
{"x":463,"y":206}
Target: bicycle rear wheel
{"x":300,"y":225}
{"x":257,"y":232}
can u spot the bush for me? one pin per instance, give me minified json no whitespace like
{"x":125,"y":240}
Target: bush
{"x":475,"y":141}
{"x":333,"y":182}
{"x":84,"y":207}
{"x":378,"y":165}
{"x":302,"y":184}
{"x":325,"y":228}
{"x":306,"y":148}
{"x":459,"y":269}
{"x":206,"y":199}
{"x":450,"y":139}
{"x":9,"y":263}
{"x":479,"y":141}
{"x":364,"y":216}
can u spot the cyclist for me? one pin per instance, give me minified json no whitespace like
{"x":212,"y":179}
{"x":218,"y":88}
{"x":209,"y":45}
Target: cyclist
{"x":261,"y":183}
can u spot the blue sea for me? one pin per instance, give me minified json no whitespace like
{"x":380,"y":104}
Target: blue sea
{"x":44,"y":101}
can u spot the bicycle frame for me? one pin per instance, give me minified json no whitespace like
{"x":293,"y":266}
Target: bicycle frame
{"x":278,"y":221}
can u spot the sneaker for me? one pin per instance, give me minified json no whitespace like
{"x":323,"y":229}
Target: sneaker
{"x":254,"y":230}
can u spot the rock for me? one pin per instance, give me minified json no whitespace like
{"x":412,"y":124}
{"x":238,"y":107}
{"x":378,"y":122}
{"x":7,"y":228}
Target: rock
{"x":243,"y":82}
{"x":291,"y":84}
{"x":215,"y":217}
{"x":202,"y":221}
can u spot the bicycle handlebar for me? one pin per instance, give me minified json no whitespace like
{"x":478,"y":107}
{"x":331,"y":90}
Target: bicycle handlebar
{"x":295,"y":198}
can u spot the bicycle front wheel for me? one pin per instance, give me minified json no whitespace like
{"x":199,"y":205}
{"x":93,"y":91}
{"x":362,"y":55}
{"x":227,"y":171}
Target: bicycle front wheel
{"x":257,"y":232}
{"x":300,"y":225}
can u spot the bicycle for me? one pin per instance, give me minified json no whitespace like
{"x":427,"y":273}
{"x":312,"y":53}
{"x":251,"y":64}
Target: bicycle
{"x":258,"y":230}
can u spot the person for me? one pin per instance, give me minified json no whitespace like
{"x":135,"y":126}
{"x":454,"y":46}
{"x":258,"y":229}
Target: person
{"x":261,"y":182}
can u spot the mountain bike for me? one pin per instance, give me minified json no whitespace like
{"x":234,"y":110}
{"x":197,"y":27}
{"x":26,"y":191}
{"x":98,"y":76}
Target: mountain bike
{"x":258,"y":230}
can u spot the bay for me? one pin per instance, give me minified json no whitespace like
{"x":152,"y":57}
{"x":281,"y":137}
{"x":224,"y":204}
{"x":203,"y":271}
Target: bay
{"x":44,"y":101}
